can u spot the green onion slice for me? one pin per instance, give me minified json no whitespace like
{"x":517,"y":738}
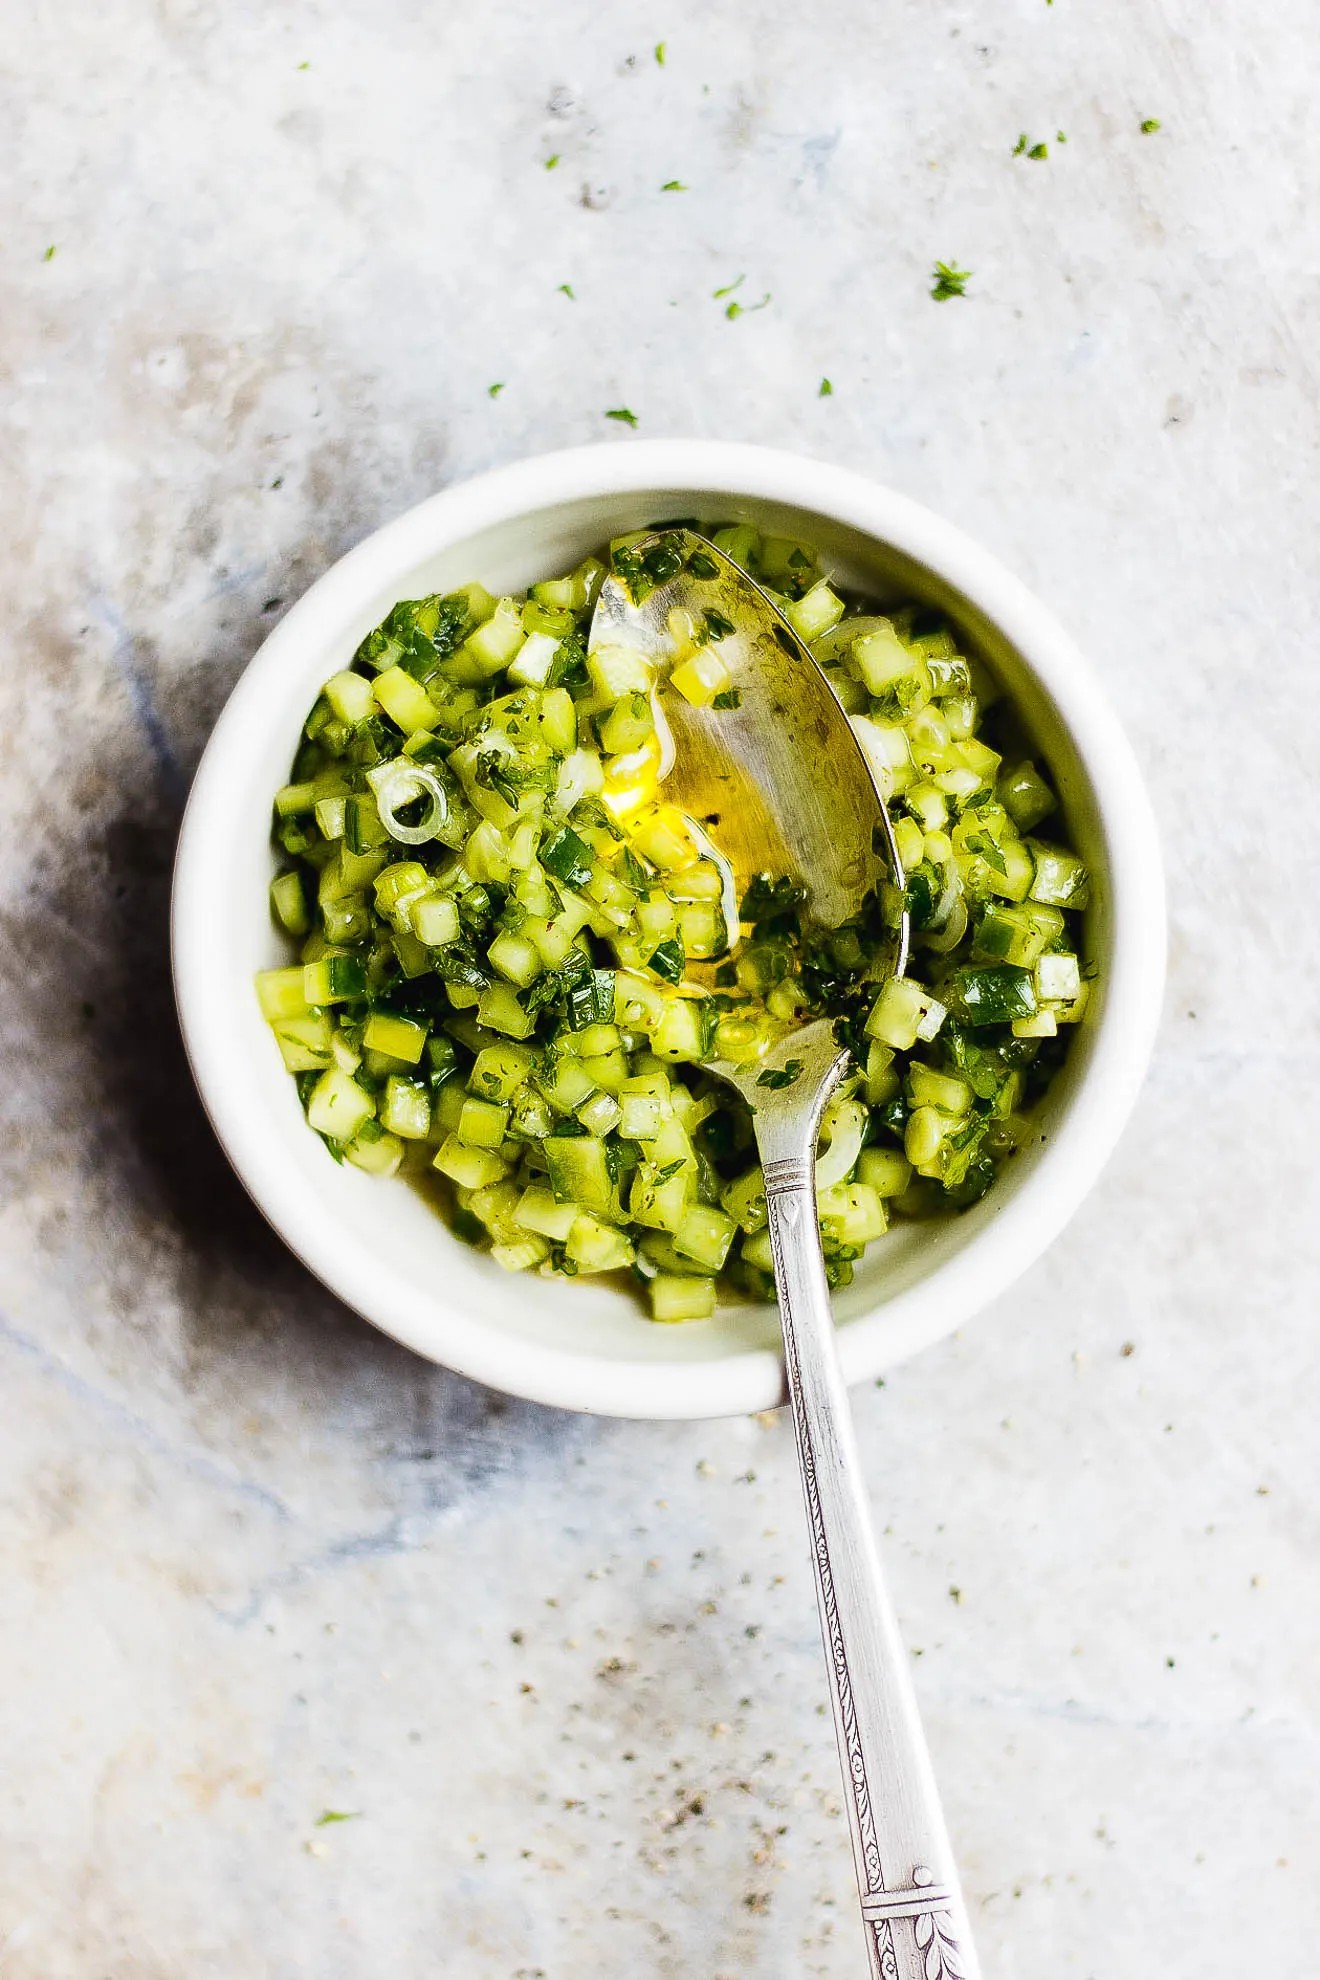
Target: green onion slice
{"x":399,"y":783}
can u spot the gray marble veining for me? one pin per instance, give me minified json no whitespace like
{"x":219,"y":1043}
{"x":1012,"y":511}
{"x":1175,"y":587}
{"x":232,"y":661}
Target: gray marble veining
{"x":563,"y":1674}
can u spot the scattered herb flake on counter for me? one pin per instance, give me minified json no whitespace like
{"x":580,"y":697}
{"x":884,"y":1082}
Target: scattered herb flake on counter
{"x":1061,"y":137}
{"x":552,"y":161}
{"x":660,"y":53}
{"x":566,"y":289}
{"x":493,"y":391}
{"x":950,"y":281}
{"x":673,"y":185}
{"x":497,"y":919}
{"x":49,"y":255}
{"x":622,"y":413}
{"x":1020,"y":146}
{"x":727,"y":290}
{"x":734,"y":310}
{"x":826,"y":390}
{"x":1150,"y":124}
{"x":1041,"y":150}
{"x":330,"y":1815}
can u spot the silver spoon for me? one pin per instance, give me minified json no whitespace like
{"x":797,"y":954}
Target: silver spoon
{"x":781,"y":784}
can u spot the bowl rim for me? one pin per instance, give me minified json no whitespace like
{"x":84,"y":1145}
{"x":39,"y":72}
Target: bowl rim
{"x":1089,"y":1125}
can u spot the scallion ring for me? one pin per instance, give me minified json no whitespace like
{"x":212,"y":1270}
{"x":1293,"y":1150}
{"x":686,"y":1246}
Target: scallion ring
{"x":399,"y":783}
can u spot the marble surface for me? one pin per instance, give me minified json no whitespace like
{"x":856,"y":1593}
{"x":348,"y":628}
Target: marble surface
{"x":259,"y":1564}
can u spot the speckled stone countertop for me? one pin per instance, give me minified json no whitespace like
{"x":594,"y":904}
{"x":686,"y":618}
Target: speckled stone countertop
{"x":260,"y":268}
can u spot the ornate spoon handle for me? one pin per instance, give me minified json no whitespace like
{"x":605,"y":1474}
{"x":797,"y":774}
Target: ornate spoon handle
{"x":916,"y":1924}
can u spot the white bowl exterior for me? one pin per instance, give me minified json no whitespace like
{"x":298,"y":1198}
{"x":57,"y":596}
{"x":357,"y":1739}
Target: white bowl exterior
{"x":381,"y":1248}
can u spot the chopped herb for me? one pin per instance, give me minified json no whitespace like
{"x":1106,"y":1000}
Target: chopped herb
{"x":622,"y":413}
{"x":552,"y":161}
{"x":338,"y":1815}
{"x":1061,"y":137}
{"x":49,"y":255}
{"x":304,"y":65}
{"x":668,"y":960}
{"x":776,"y":1078}
{"x":734,"y":310}
{"x":1039,"y":151}
{"x":982,"y":843}
{"x":727,"y":290}
{"x":660,"y":53}
{"x":663,"y":1175}
{"x":493,"y":391}
{"x":673,"y":185}
{"x":1020,"y":146}
{"x":1148,"y":124}
{"x":950,"y":281}
{"x":702,"y":566}
{"x":566,"y":289}
{"x":826,"y":389}
{"x":728,"y":698}
{"x":717,"y":626}
{"x":567,"y":857}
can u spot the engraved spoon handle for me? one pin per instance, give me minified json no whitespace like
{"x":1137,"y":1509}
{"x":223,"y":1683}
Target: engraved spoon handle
{"x":915,"y":1920}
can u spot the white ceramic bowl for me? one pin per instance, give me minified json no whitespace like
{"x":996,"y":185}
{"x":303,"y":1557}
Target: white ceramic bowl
{"x":579,"y":1345}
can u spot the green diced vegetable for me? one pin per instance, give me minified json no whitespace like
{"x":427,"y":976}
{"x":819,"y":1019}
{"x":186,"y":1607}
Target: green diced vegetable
{"x":499,"y":927}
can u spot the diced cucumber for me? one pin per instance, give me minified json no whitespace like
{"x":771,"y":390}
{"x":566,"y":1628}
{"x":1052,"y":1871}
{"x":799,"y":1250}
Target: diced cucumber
{"x":406,"y":1110}
{"x":482,"y":1124}
{"x":579,"y":1172}
{"x":493,"y":645}
{"x":351,"y":697}
{"x":904,"y":1012}
{"x":1058,"y":978}
{"x":470,"y":1167}
{"x":435,"y":920}
{"x":379,"y":1154}
{"x":499,"y":1071}
{"x":540,"y":1210}
{"x":705,"y":1235}
{"x":852,"y":1213}
{"x":619,"y":670}
{"x":406,"y":704}
{"x":815,"y":613}
{"x":744,"y":1199}
{"x":403,"y":1038}
{"x":306,"y":1043}
{"x":334,"y":980}
{"x":1061,"y":879}
{"x":282,"y":993}
{"x":676,"y":1299}
{"x":1025,"y":796}
{"x":289,"y":904}
{"x":498,"y":1008}
{"x":338,"y":1106}
{"x":594,"y":1246}
{"x":884,"y":1170}
{"x":936,"y":1089}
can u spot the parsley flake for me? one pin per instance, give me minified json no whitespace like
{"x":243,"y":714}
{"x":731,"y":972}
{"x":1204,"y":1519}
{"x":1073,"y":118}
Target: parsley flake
{"x":49,"y":255}
{"x":552,"y":161}
{"x":1039,"y":151}
{"x":566,"y":289}
{"x":673,"y":185}
{"x":776,"y":1078}
{"x":728,"y":288}
{"x":622,"y":413}
{"x":493,"y":391}
{"x":1149,"y":124}
{"x":1020,"y":146}
{"x":734,"y":310}
{"x":1061,"y":137}
{"x":728,"y":698}
{"x":826,"y":390}
{"x":330,"y":1815}
{"x":660,"y":53}
{"x":950,"y":281}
